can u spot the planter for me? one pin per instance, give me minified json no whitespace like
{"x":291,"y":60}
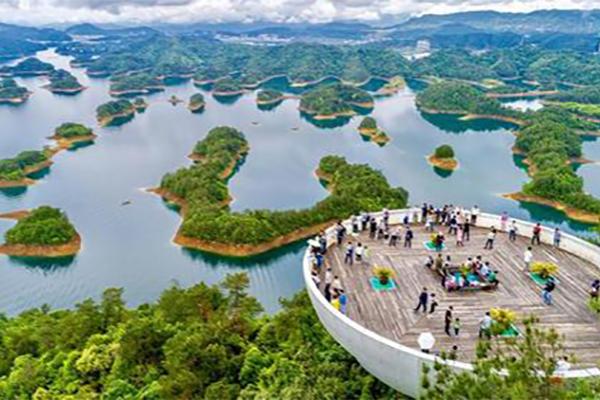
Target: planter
{"x":541,"y":281}
{"x":380,"y":287}
{"x":431,"y":246}
{"x":511,"y":332}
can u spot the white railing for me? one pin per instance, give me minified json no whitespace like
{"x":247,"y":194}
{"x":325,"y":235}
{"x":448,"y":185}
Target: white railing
{"x":401,"y":366}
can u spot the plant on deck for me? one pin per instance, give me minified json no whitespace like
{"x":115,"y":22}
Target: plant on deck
{"x":544,"y":269}
{"x":384,"y":274}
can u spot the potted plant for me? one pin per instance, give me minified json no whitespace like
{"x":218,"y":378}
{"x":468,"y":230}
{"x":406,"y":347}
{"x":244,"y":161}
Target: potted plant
{"x":544,"y":269}
{"x":504,"y":322}
{"x":383,"y":274}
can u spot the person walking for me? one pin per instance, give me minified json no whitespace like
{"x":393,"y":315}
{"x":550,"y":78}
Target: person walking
{"x":433,"y":305}
{"x":512,"y":231}
{"x":349,"y":257}
{"x":491,"y":236}
{"x":359,"y":252}
{"x":448,"y":320}
{"x":527,"y":257}
{"x":340,"y":231}
{"x":547,"y":292}
{"x":467,"y":230}
{"x":485,"y":326}
{"x":372,"y":228}
{"x":456,"y":326}
{"x":537,"y":232}
{"x":557,"y":237}
{"x":408,"y":237}
{"x":423,"y":299}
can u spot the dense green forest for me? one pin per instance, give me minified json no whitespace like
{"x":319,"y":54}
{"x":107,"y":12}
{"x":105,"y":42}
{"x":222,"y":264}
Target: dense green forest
{"x":14,"y":169}
{"x":71,"y":129}
{"x":138,"y":83}
{"x":585,"y":95}
{"x":204,"y":342}
{"x":354,"y":188}
{"x":62,"y":80}
{"x":368,"y":123}
{"x":11,"y":91}
{"x":268,"y":96}
{"x":227,"y":85}
{"x":106,"y":112}
{"x":29,"y":67}
{"x":334,"y":99}
{"x":44,"y":226}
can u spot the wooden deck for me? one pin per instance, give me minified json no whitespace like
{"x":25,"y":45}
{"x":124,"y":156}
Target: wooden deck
{"x":391,"y":314}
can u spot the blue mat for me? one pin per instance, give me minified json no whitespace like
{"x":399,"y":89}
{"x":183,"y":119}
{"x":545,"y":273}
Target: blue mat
{"x":431,"y":247}
{"x":378,"y":287}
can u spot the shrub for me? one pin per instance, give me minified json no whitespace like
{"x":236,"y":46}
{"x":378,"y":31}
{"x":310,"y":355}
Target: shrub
{"x":384,"y":274}
{"x":503,"y":318}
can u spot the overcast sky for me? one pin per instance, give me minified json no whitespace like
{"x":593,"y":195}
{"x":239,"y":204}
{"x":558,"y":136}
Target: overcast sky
{"x":58,"y":11}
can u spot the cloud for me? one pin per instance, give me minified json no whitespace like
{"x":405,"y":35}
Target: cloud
{"x":143,"y":11}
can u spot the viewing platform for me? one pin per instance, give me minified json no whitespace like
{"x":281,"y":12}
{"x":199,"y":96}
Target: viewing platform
{"x":381,"y":328}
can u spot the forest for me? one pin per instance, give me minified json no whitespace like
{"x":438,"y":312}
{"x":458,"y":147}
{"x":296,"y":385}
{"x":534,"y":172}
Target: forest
{"x":63,"y":81}
{"x":11,"y":91}
{"x":139,"y":83}
{"x":14,"y":169}
{"x":105,"y":113}
{"x":70,"y":130}
{"x":335,"y":99}
{"x":44,"y":226}
{"x":203,"y":186}
{"x":29,"y":67}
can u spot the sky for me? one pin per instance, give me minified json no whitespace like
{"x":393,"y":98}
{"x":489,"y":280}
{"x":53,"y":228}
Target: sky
{"x":176,"y":11}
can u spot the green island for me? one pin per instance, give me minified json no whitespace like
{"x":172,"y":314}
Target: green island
{"x":140,"y":104}
{"x":70,"y":134}
{"x":196,"y":103}
{"x":63,"y":82}
{"x":443,"y":158}
{"x":201,"y":193}
{"x":31,"y":67}
{"x":12,"y":93}
{"x":269,"y":97}
{"x":113,"y":112}
{"x":227,"y":87}
{"x":106,"y":350}
{"x":368,"y":129}
{"x":334,"y":100}
{"x":41,"y":232}
{"x":392,"y":86}
{"x":14,"y":171}
{"x":135,"y":84}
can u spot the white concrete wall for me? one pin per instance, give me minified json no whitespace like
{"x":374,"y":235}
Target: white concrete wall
{"x":400,"y":366}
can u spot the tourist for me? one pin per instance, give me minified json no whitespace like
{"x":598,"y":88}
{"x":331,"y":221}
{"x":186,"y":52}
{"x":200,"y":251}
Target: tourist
{"x":359,"y":251}
{"x":503,"y":221}
{"x":537,"y":231}
{"x":429,"y":224}
{"x":439,"y":262}
{"x":512,"y":231}
{"x":595,"y":288}
{"x":406,"y":220}
{"x":459,"y":236}
{"x":429,"y":262}
{"x":423,"y":298}
{"x":408,"y":237}
{"x":485,"y":326}
{"x":381,"y":230}
{"x":328,"y":282}
{"x":424,"y":212}
{"x":319,"y":259}
{"x":394,"y":237}
{"x":448,"y":320}
{"x":467,"y":230}
{"x":364,"y":220}
{"x":336,"y":284}
{"x":456,"y":326}
{"x":366,"y":255}
{"x":372,"y":228}
{"x":386,"y":218}
{"x":485,"y":269}
{"x":453,"y":226}
{"x":493,"y":278}
{"x":349,"y":257}
{"x":491,"y":236}
{"x":474,"y":214}
{"x":563,"y":365}
{"x":315,"y":278}
{"x":527,"y":257}
{"x":453,"y":353}
{"x":354,"y":222}
{"x":547,"y":292}
{"x":433,"y":305}
{"x":340,"y":231}
{"x":343,"y":301}
{"x":557,"y":237}
{"x":323,"y":242}
{"x":439,"y":242}
{"x":335,"y":301}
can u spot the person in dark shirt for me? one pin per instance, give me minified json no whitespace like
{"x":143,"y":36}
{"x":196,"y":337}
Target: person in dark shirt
{"x":547,"y":292}
{"x":448,"y":320}
{"x":423,"y":299}
{"x":433,"y":304}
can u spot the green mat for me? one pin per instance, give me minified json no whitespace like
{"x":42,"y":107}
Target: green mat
{"x":511,"y":332}
{"x":430,"y":246}
{"x":537,"y":278}
{"x":378,"y":287}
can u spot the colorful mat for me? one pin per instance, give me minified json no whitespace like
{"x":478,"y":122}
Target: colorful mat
{"x":378,"y":287}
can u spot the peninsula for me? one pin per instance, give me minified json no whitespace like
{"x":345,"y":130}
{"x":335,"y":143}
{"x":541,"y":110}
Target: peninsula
{"x":113,"y":112}
{"x":369,"y":130}
{"x":334,"y":100}
{"x":12,"y":93}
{"x":268,"y":97}
{"x":42,"y":232}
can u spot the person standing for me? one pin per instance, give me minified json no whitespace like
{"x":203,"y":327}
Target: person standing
{"x":527,"y":257}
{"x":467,"y":230}
{"x":328,"y":282}
{"x":343,"y":301}
{"x":349,"y":257}
{"x":485,"y":326}
{"x":474,"y":214}
{"x":340,"y":231}
{"x":503,"y":221}
{"x":459,"y":236}
{"x":372,"y":227}
{"x":557,"y":237}
{"x":512,"y":231}
{"x":359,"y":251}
{"x":408,"y":237}
{"x":537,"y":232}
{"x":547,"y":292}
{"x":423,"y":299}
{"x":448,"y":320}
{"x":433,"y":305}
{"x":456,"y":326}
{"x":491,"y":236}
{"x":394,"y":237}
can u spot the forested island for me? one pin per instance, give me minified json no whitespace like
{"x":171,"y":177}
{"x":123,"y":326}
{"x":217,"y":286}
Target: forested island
{"x":29,"y":67}
{"x":140,"y":104}
{"x":115,"y":111}
{"x":14,"y":171}
{"x":202,"y":195}
{"x":12,"y":93}
{"x":41,"y":232}
{"x":443,"y":158}
{"x":135,"y":84}
{"x":266,"y":97}
{"x":70,"y":134}
{"x":63,"y":82}
{"x":227,"y":87}
{"x":196,"y":103}
{"x":334,"y":100}
{"x":368,"y":129}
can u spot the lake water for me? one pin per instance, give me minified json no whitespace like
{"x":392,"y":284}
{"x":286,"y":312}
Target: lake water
{"x":130,"y":246}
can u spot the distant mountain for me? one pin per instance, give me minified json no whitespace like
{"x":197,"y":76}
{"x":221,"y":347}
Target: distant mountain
{"x":85,"y":30}
{"x":95,"y":30}
{"x":565,"y":21}
{"x":18,"y":41}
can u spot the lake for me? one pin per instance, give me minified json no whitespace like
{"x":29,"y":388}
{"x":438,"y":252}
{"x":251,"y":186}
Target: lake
{"x":130,"y":246}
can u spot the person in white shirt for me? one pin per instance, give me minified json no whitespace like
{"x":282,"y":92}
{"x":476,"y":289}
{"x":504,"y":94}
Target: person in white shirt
{"x":485,"y":326}
{"x":359,"y":251}
{"x":527,"y":257}
{"x":512,"y":231}
{"x":474,"y":214}
{"x":337,"y":284}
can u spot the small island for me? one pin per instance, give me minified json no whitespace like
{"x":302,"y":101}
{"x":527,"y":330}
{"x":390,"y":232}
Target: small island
{"x":268,"y":97}
{"x":227,"y":87}
{"x":392,"y":86}
{"x":135,"y":84}
{"x":31,"y":67}
{"x":369,"y":130}
{"x":42,"y":232}
{"x":70,"y":134}
{"x":140,"y":104}
{"x":334,"y":100}
{"x":114,"y":112}
{"x":443,"y":158}
{"x":63,"y":82}
{"x":196,"y":103}
{"x":12,"y":93}
{"x":14,"y":171}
